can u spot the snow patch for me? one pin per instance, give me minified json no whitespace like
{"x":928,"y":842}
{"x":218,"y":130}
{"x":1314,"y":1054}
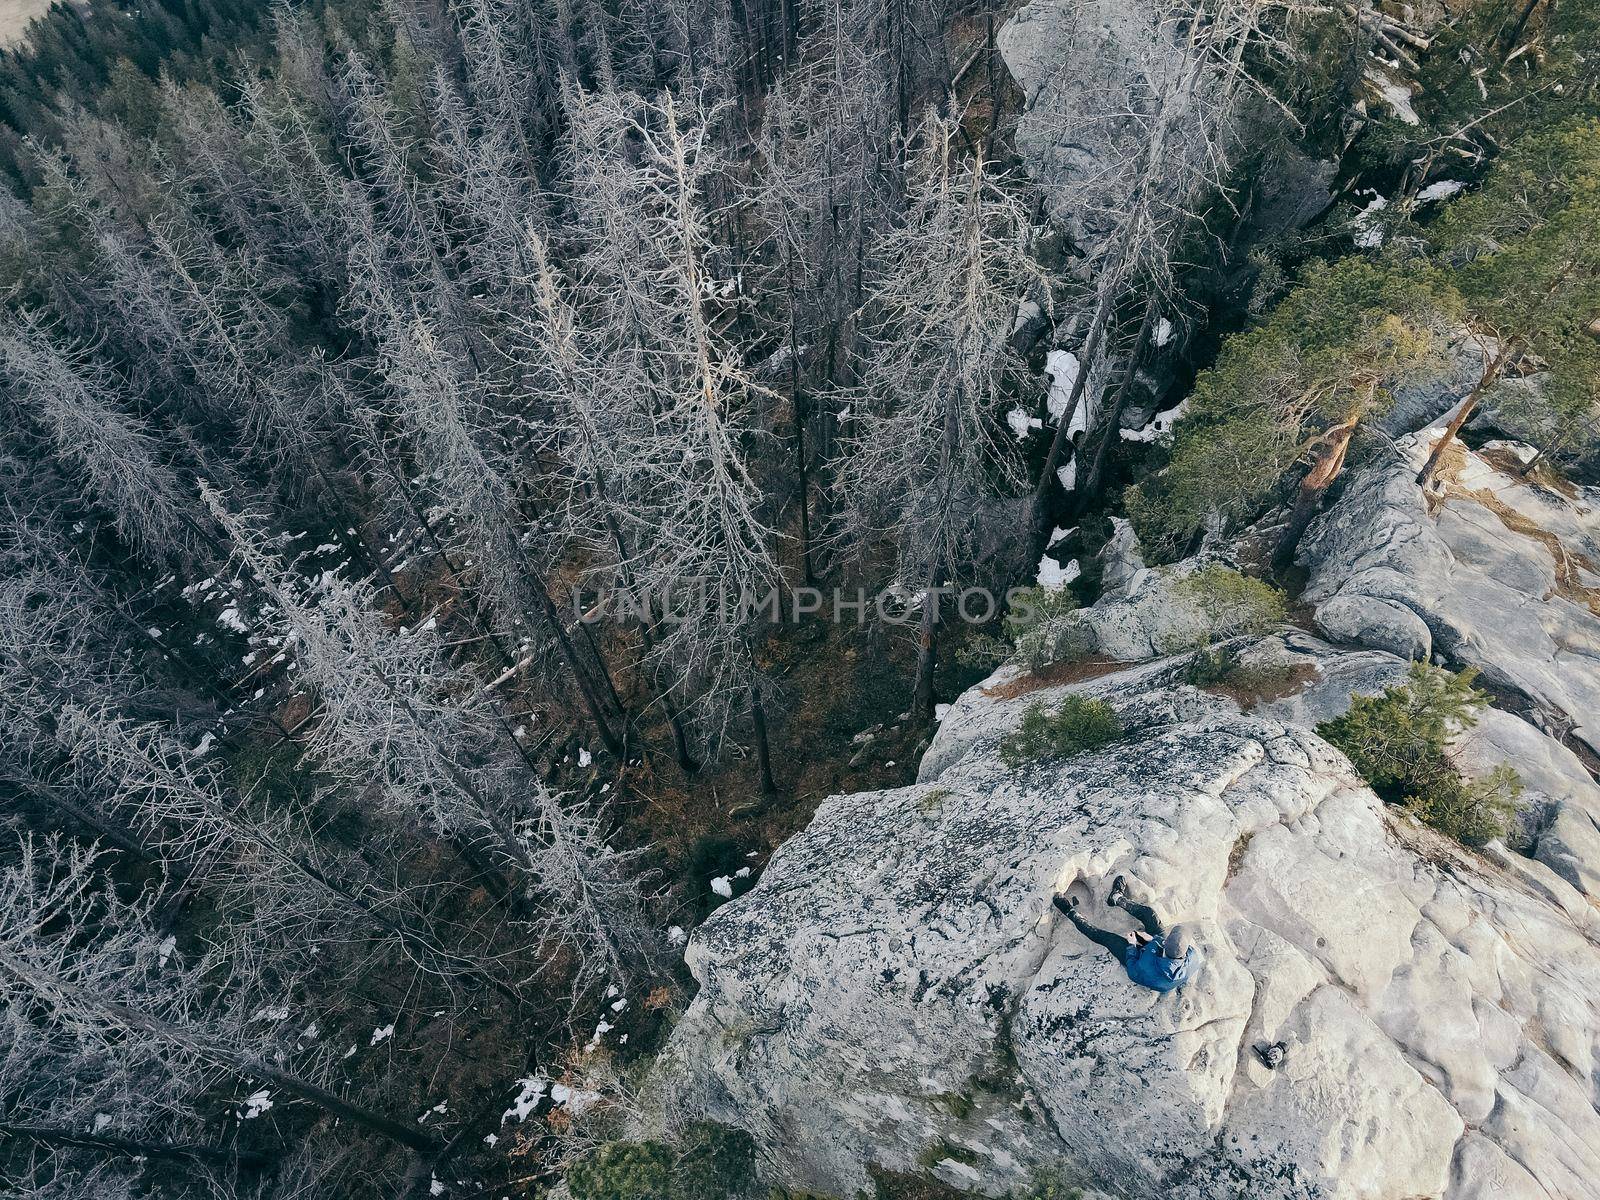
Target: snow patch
{"x":528,"y":1097}
{"x":1053,"y":576}
{"x":1368,"y":235}
{"x":1160,"y":425}
{"x":1062,"y":368}
{"x":1396,"y":95}
{"x":255,"y":1104}
{"x":382,"y":1034}
{"x":722,"y":885}
{"x":1021,"y":423}
{"x":1442,"y":190}
{"x":575,"y":1100}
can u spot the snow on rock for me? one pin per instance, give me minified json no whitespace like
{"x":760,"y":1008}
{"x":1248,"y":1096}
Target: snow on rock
{"x":576,"y":1101}
{"x":1062,"y":368}
{"x":229,"y":618}
{"x":1368,"y":233}
{"x":1052,"y":576}
{"x":1021,"y":423}
{"x":899,"y":986}
{"x":1396,"y":94}
{"x":1164,"y":332}
{"x":1442,"y":190}
{"x":1160,"y":425}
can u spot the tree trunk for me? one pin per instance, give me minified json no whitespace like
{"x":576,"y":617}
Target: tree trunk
{"x":758,"y":720}
{"x":800,"y":410}
{"x":219,"y":1054}
{"x":1105,"y":432}
{"x":405,"y":1133}
{"x":1507,"y":353}
{"x":1335,"y":446}
{"x":922,"y":698}
{"x":52,"y":1135}
{"x":1509,"y":42}
{"x":1039,"y":506}
{"x":54,"y":796}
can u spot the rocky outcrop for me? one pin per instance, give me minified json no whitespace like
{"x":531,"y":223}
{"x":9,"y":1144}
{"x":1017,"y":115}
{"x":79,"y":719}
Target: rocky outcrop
{"x":1109,"y":57}
{"x":898,"y":990}
{"x":1497,"y":572}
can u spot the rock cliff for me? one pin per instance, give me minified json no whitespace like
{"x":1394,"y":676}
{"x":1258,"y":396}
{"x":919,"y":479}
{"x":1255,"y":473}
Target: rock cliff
{"x":899,"y":991}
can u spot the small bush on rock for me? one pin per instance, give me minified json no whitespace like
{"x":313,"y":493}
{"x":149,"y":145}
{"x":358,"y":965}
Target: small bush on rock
{"x":1232,"y":603}
{"x":1222,"y":669}
{"x":1078,"y":725}
{"x":1047,"y":1185}
{"x":1028,"y":626}
{"x":1473,"y":811}
{"x":1211,"y":667}
{"x":713,"y":1163}
{"x":1398,"y":741}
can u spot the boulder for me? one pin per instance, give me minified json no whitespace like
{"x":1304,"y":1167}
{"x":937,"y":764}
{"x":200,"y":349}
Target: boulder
{"x":898,"y":990}
{"x":1072,"y":57}
{"x":1121,"y":560}
{"x":1496,"y":572}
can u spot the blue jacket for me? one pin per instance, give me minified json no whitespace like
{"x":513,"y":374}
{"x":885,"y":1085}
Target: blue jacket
{"x":1148,"y":966}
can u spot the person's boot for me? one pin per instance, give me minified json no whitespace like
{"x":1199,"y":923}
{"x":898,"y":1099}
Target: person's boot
{"x":1119,"y":891}
{"x":1067,"y":904}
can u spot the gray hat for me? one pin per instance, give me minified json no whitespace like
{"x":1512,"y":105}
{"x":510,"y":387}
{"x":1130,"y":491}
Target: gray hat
{"x":1176,"y":944}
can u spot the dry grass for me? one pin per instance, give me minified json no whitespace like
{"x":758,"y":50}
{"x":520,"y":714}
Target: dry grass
{"x":1055,"y":675}
{"x":1250,"y":686}
{"x":1569,"y":583}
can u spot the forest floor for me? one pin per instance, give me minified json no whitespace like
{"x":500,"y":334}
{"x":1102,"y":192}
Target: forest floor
{"x":838,"y":725}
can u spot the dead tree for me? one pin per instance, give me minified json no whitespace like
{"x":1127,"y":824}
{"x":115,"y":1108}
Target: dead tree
{"x":88,"y":967}
{"x":924,"y":461}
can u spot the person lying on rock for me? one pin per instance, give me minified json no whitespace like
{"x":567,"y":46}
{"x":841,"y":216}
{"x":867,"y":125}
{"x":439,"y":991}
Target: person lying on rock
{"x":1158,"y":959}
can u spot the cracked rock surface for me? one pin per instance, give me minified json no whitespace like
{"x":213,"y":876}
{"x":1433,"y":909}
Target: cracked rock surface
{"x":899,"y":991}
{"x":1499,"y":573}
